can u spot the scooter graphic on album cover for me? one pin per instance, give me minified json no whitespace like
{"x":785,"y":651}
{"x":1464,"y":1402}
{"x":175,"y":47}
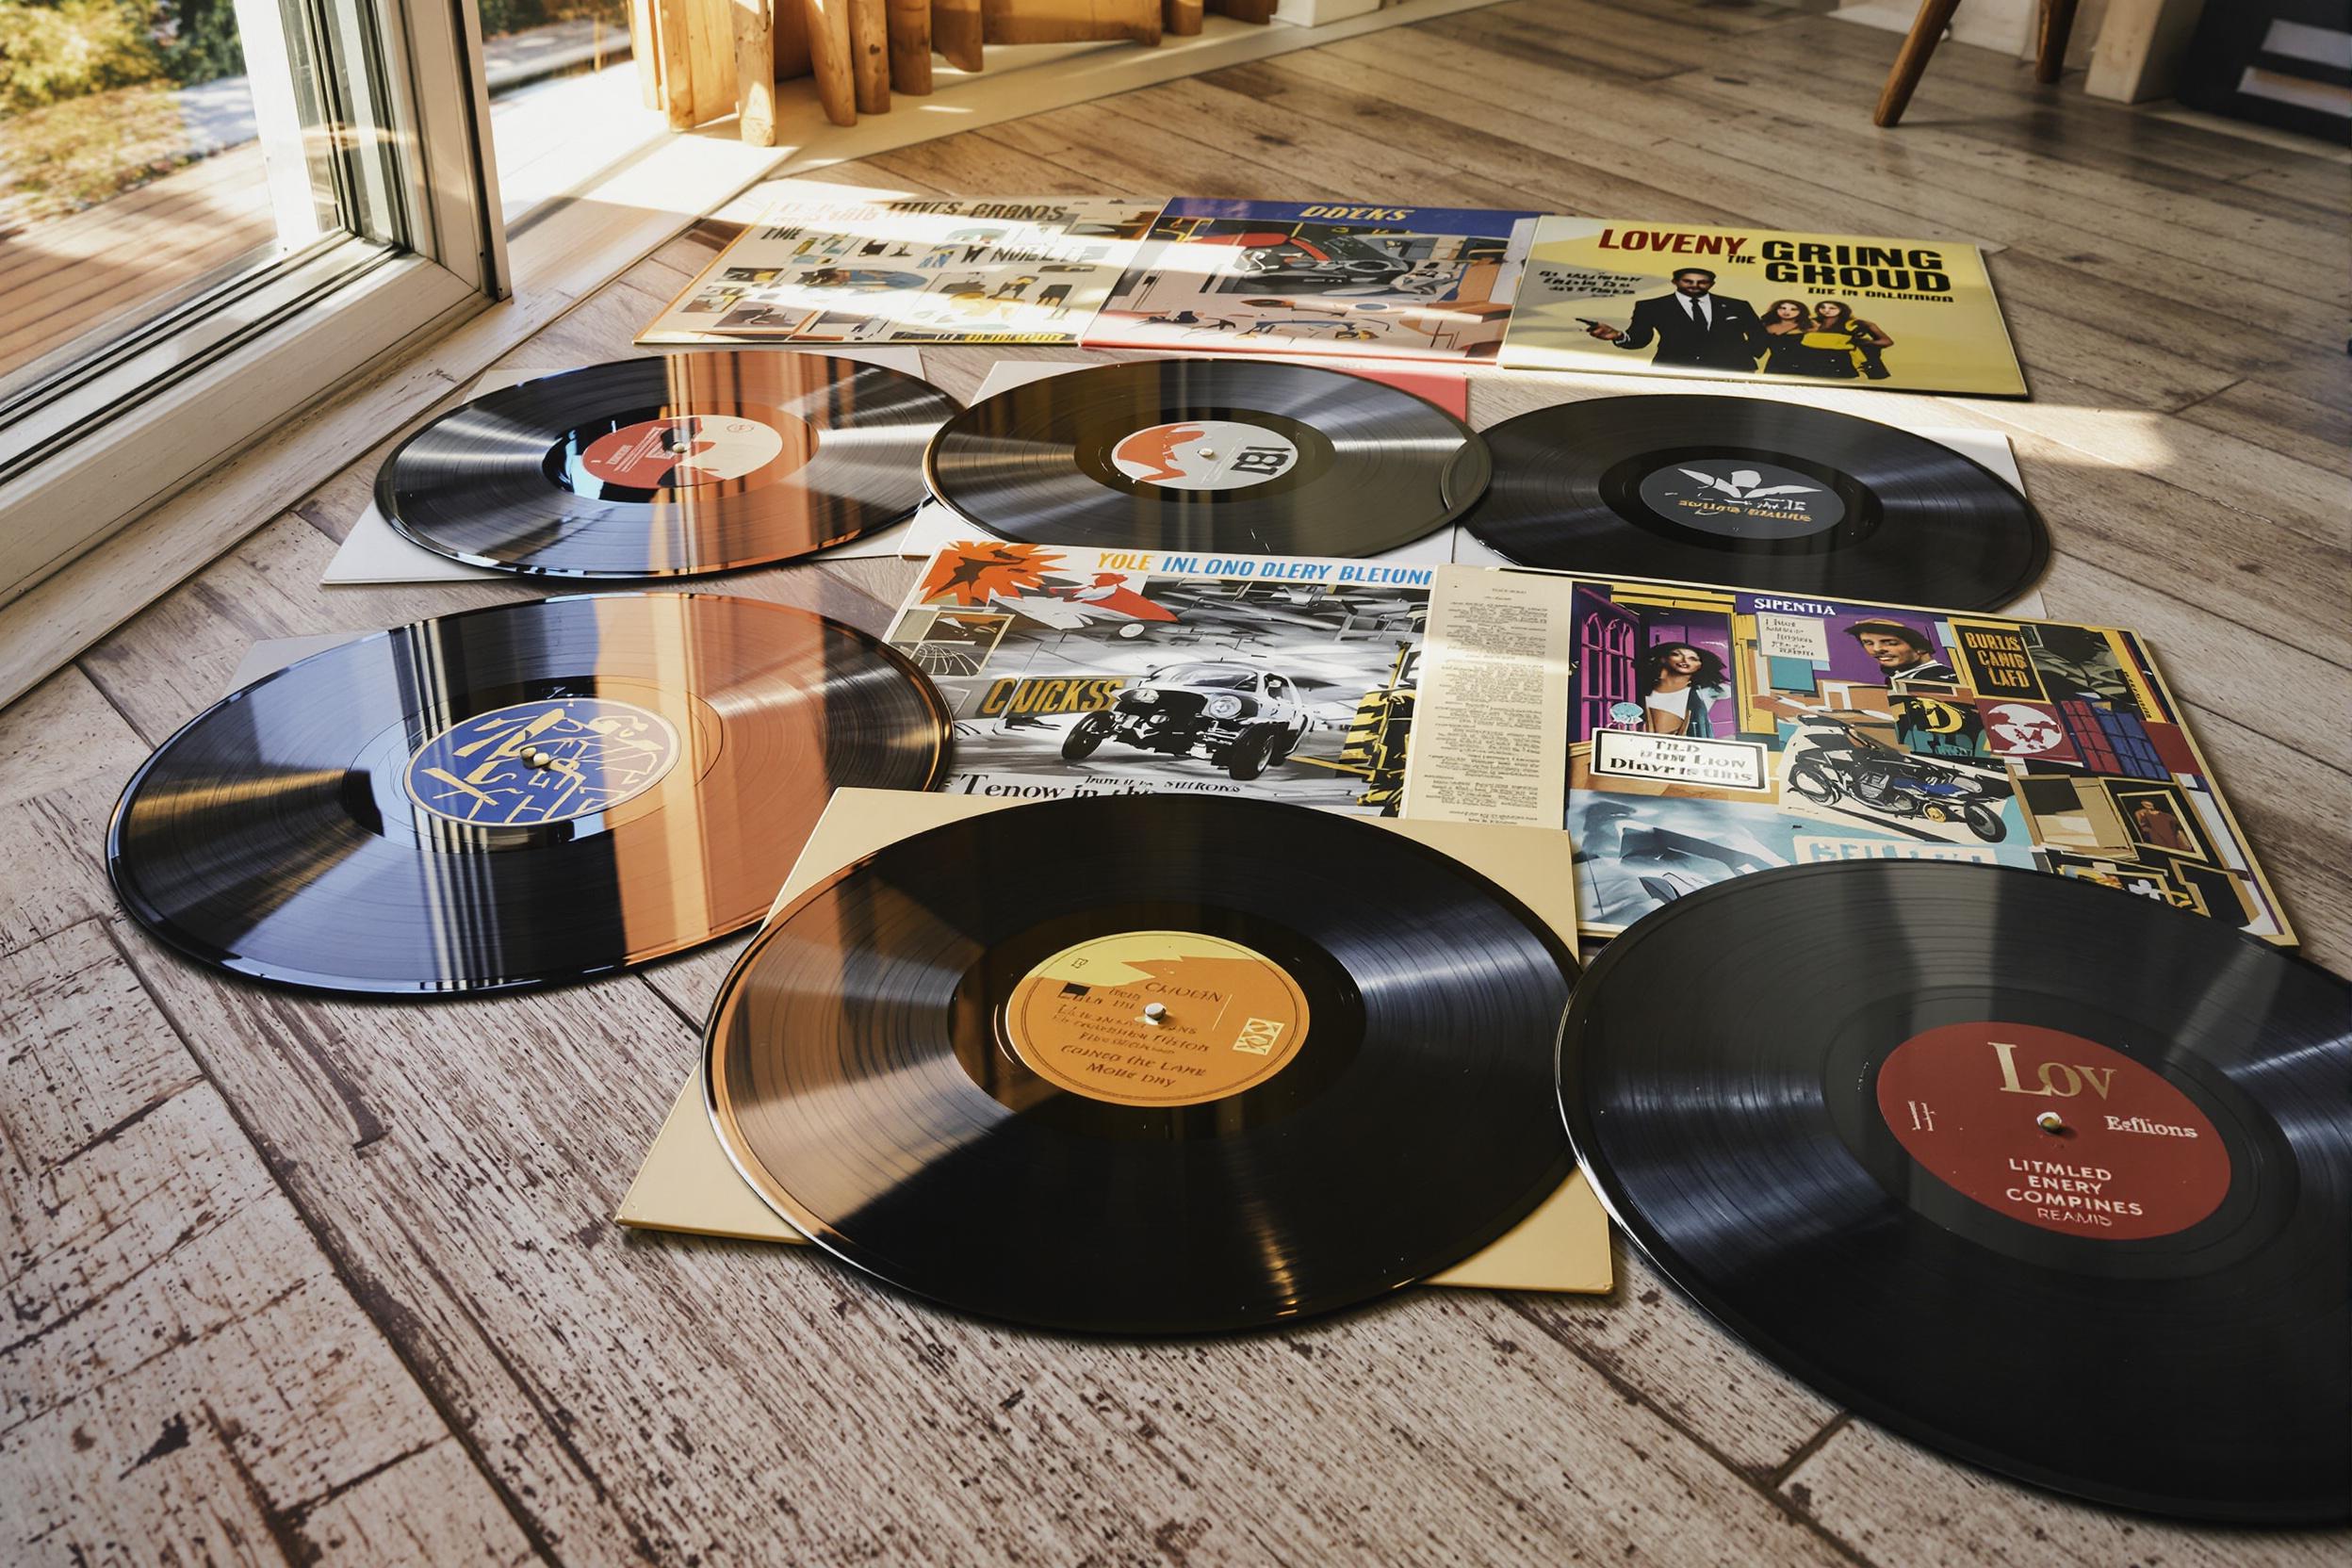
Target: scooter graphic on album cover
{"x":1100,"y":672}
{"x":1692,"y":734}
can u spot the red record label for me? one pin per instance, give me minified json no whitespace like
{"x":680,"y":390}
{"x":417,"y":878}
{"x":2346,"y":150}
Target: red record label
{"x":2055,"y":1130}
{"x":687,"y":448}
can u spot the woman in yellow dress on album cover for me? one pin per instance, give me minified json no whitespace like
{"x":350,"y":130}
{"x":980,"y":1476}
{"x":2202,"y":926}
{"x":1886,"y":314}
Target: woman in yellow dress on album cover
{"x":1826,"y":340}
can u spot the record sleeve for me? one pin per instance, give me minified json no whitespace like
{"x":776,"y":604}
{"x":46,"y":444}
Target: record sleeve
{"x":2050,"y":1179}
{"x":1320,"y":278}
{"x":668,"y":466}
{"x":820,"y":268}
{"x":1850,"y":311}
{"x":1685,"y":734}
{"x":516,"y":796}
{"x":1091,"y":672}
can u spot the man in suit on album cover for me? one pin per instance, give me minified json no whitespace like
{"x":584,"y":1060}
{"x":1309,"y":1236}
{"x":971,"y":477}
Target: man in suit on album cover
{"x":1692,"y":327}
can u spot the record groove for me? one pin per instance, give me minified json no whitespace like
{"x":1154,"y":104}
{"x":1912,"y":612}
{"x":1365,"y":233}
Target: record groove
{"x":883,"y":1064}
{"x":514,"y":796}
{"x":667,"y":465}
{"x":1217,"y":456}
{"x":1746,"y":490}
{"x":1816,"y":1098}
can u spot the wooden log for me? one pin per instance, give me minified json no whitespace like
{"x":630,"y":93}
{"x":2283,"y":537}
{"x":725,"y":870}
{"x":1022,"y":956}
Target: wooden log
{"x":788,"y":39}
{"x":1071,"y":21}
{"x":678,"y":65}
{"x":644,"y":35}
{"x":911,"y":45}
{"x":827,"y":24}
{"x":1180,"y":18}
{"x":955,"y":32}
{"x":870,"y":55}
{"x":710,"y":36}
{"x":755,"y":71}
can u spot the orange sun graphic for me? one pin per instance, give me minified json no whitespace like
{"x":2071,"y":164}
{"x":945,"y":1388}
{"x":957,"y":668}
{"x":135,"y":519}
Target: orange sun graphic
{"x":974,"y":573}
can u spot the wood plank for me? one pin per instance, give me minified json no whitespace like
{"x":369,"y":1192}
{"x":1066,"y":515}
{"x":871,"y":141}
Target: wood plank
{"x":2262,"y":415}
{"x":1875,"y":1493}
{"x":186,"y":1372}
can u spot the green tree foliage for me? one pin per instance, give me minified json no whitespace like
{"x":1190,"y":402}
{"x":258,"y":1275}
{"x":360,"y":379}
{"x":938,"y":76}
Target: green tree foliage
{"x":204,"y":46}
{"x":52,"y":50}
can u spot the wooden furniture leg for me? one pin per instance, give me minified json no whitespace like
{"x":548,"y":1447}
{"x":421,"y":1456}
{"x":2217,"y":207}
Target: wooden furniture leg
{"x":1926,"y":33}
{"x":2050,"y":53}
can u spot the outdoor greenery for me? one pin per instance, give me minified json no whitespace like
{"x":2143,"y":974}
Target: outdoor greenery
{"x":55,"y":50}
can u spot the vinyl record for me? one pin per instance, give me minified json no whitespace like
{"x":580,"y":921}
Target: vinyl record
{"x":1217,"y":455}
{"x":2053,"y":1179}
{"x":513,"y":796}
{"x":1756,"y":494}
{"x":942,"y":1064}
{"x":666,"y":466}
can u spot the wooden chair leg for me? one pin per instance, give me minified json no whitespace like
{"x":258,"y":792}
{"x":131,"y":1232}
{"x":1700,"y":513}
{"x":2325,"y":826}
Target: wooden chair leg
{"x":1926,"y":33}
{"x":2050,"y":52}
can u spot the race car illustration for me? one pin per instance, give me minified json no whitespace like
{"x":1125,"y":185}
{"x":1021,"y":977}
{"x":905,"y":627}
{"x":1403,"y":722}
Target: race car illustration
{"x":1309,"y":255}
{"x":1239,"y":717}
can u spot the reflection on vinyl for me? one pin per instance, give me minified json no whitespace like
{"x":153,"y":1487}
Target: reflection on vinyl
{"x":666,"y":466}
{"x":2053,"y":1178}
{"x":1760,"y":493}
{"x":513,"y":796}
{"x":1147,"y":1066}
{"x":1211,"y":455}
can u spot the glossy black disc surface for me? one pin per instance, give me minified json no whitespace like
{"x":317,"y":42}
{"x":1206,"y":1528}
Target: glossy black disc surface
{"x":666,"y":466}
{"x":1210,"y":455}
{"x":513,"y":796}
{"x":2050,"y":1178}
{"x":1759,"y":494}
{"x":1347,"y":1091}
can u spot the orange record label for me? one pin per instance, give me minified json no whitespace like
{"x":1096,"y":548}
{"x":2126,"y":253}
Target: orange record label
{"x":1156,"y":1019}
{"x":2055,"y":1130}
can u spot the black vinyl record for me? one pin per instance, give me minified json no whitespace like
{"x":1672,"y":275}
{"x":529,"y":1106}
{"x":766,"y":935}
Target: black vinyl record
{"x":1223,"y":456}
{"x":1769,"y":496}
{"x":513,"y":796}
{"x":2050,"y":1178}
{"x":943,"y":1065}
{"x":667,"y":465}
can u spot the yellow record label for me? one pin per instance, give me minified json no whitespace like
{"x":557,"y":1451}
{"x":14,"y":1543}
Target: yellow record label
{"x":1156,"y":1019}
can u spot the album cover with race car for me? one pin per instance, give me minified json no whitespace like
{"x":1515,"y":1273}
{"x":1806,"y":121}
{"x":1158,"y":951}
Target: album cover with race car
{"x":1009,"y":270}
{"x":1072,"y":672}
{"x":1762,"y":304}
{"x":1693,"y":734}
{"x":1319,"y":277}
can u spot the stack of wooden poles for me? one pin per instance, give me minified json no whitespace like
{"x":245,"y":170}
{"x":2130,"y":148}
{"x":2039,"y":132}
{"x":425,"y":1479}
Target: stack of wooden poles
{"x":701,"y":60}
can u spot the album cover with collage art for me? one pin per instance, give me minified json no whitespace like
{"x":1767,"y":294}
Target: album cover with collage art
{"x":1072,"y":672}
{"x":1319,"y":278}
{"x":1012,"y":269}
{"x":1697,"y":733}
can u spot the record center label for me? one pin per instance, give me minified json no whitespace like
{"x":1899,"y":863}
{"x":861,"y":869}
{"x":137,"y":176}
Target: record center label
{"x":1205,"y":454}
{"x":1156,"y":1018}
{"x":531,"y":764}
{"x":680,"y":450}
{"x":2054,"y":1130}
{"x":1741,"y":497}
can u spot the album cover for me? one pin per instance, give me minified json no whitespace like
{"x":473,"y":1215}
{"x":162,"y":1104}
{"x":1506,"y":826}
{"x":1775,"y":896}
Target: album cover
{"x":1293,"y":277}
{"x":1692,"y":734}
{"x":1760,"y":305}
{"x":1110,"y":672}
{"x":1021,"y":269}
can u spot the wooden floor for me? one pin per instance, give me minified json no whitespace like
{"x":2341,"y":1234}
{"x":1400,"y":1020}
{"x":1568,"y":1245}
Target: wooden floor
{"x":60,"y":279}
{"x":302,"y":1281}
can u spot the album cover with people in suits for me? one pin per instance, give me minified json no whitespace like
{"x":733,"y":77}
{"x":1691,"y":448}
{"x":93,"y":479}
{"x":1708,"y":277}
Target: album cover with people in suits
{"x":1762,"y":304}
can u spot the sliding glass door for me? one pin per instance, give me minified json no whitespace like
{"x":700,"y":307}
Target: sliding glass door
{"x":212,"y":212}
